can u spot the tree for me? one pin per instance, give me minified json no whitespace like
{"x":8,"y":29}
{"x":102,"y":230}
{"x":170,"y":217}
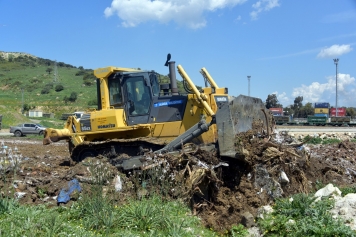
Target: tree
{"x":298,"y":102}
{"x":351,"y":112}
{"x":49,"y":70}
{"x":288,"y":110}
{"x":297,"y":106}
{"x":272,"y":102}
{"x":306,"y":110}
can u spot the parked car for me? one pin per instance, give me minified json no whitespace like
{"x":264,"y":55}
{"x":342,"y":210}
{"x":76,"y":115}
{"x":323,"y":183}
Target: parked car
{"x":27,"y":128}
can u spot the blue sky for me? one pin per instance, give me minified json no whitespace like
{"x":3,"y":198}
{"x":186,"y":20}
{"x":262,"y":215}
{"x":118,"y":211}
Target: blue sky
{"x":287,"y":47}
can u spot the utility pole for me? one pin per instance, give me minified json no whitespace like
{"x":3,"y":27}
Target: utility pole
{"x":55,"y":72}
{"x":336,"y":61}
{"x":22,"y":109}
{"x":248,"y":78}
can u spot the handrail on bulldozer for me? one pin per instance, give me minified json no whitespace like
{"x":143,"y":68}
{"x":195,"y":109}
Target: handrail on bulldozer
{"x":202,"y":97}
{"x":207,"y":76}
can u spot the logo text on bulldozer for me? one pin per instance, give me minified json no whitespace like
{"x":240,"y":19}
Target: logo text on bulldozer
{"x":85,"y":128}
{"x":110,"y":125}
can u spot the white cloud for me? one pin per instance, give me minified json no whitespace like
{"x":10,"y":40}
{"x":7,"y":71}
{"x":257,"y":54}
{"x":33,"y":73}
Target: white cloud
{"x":345,"y":16}
{"x":282,"y":98}
{"x":238,"y":18}
{"x":317,"y":92}
{"x":334,"y":51}
{"x":183,"y":12}
{"x":263,"y":5}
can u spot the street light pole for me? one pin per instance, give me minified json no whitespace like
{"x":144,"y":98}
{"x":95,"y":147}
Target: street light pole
{"x":248,"y":78}
{"x":336,"y":61}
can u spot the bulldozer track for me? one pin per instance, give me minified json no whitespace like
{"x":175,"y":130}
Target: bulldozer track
{"x":114,"y":148}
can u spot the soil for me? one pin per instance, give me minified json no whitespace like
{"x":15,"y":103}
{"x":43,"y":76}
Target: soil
{"x":220,"y":195}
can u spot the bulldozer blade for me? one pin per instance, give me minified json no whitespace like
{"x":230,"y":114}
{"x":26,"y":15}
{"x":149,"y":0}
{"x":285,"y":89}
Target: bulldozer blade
{"x":242,"y":114}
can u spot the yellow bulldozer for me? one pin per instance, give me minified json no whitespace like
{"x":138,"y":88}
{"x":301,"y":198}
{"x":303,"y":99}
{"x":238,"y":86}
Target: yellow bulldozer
{"x":136,"y":113}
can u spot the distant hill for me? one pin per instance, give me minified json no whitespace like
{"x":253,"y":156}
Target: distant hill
{"x":47,"y":85}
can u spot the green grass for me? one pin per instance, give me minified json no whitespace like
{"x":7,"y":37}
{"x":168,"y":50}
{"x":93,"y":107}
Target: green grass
{"x":303,"y":217}
{"x":98,"y":216}
{"x":317,"y":140}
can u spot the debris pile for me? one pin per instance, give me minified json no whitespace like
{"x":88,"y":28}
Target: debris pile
{"x":221,"y":191}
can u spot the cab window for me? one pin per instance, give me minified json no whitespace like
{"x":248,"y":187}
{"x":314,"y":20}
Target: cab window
{"x":139,"y":97}
{"x":154,"y":84}
{"x":115,"y":93}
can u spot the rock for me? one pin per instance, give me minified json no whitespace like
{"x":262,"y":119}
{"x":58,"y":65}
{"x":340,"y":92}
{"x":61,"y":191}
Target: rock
{"x":345,"y":208}
{"x":264,"y":210}
{"x":117,"y":183}
{"x":343,"y":211}
{"x":291,"y":222}
{"x":283,"y":177}
{"x":327,"y":191}
{"x":254,"y":232}
{"x":248,"y":220}
{"x":19,"y":195}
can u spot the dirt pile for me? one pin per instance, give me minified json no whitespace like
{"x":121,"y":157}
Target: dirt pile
{"x":220,"y":191}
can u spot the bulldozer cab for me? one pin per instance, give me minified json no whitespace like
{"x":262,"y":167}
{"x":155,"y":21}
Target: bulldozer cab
{"x":132,"y":92}
{"x":138,"y":94}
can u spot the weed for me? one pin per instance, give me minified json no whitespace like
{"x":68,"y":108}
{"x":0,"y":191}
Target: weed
{"x":238,"y":231}
{"x":41,"y":192}
{"x":319,"y":185}
{"x":347,"y":190}
{"x":94,"y":210}
{"x":7,"y":205}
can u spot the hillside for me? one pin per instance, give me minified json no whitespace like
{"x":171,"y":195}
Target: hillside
{"x":30,"y":79}
{"x":45,"y":85}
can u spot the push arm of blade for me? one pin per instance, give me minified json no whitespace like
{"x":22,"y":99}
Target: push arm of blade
{"x":207,"y":76}
{"x":201,"y":96}
{"x":193,"y":132}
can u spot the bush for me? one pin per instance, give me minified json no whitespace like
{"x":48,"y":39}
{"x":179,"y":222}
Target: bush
{"x":49,"y":85}
{"x":31,"y":87}
{"x":92,"y":102}
{"x":45,"y":90}
{"x":66,"y":99}
{"x":88,"y":82}
{"x":27,"y":107}
{"x":59,"y":88}
{"x":80,"y":73}
{"x":73,"y":97}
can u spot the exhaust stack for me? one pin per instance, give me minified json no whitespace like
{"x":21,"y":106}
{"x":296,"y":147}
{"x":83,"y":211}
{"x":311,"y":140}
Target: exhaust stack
{"x":172,"y":74}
